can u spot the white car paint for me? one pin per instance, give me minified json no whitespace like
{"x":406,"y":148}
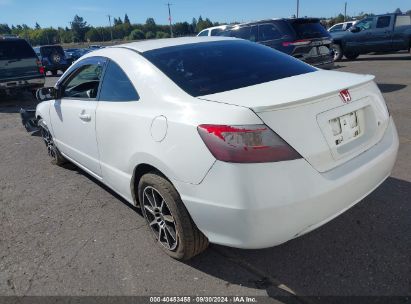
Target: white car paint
{"x":245,"y":205}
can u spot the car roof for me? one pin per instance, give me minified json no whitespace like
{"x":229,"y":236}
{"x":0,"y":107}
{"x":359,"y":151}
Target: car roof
{"x":148,"y":45}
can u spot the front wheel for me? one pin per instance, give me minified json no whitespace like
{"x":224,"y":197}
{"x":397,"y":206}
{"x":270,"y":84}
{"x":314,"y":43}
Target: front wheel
{"x":337,"y":50}
{"x":168,"y":219}
{"x":52,"y":151}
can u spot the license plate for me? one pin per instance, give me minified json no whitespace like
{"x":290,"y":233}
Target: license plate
{"x":345,"y":128}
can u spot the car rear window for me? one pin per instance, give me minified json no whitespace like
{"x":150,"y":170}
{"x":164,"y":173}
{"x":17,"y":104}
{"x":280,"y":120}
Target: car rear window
{"x":15,"y":49}
{"x":308,"y":29}
{"x":48,"y":50}
{"x":213,"y":67}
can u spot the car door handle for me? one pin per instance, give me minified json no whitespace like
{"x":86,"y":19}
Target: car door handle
{"x":84,"y":116}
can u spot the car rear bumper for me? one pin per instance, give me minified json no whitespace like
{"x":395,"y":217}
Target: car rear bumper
{"x":262,"y":205}
{"x":9,"y":84}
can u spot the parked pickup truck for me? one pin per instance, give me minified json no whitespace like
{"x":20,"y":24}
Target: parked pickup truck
{"x":381,"y":34}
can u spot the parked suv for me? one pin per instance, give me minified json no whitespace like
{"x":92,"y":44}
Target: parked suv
{"x":19,"y":66}
{"x":53,"y":58}
{"x":303,"y":38}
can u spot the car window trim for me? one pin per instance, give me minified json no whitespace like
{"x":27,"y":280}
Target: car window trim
{"x":74,"y":68}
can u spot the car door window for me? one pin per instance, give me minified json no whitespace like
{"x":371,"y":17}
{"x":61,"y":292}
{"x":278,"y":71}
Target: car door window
{"x":203,"y":33}
{"x":402,"y":21}
{"x":268,"y":32}
{"x":245,"y":32}
{"x":365,"y":24}
{"x":116,"y":85}
{"x":84,"y":83}
{"x":383,"y":21}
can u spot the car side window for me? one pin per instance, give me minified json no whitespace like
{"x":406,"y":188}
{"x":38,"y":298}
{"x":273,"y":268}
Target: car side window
{"x":246,"y":32}
{"x":383,"y":21}
{"x":365,"y":24}
{"x":268,"y":32}
{"x":203,"y":33}
{"x":84,"y":82}
{"x":336,"y":28}
{"x":116,"y":85}
{"x":403,"y":21}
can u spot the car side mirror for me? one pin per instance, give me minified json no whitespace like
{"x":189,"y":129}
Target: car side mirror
{"x":355,"y":29}
{"x":46,"y":93}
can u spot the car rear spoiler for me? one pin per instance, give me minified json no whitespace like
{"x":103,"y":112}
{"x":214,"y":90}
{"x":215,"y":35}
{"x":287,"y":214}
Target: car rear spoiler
{"x":28,"y":119}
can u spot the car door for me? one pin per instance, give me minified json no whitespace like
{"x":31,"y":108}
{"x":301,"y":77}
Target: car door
{"x":359,"y":39}
{"x":73,"y":115}
{"x":381,"y":37}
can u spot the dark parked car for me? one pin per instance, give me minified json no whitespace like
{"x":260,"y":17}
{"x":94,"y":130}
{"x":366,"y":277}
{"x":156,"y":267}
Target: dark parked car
{"x":303,"y":38}
{"x":20,"y":69}
{"x":75,"y":54}
{"x":53,"y":58}
{"x":381,"y":34}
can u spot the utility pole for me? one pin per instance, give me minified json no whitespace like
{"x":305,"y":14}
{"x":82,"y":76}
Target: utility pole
{"x":298,"y":8}
{"x":345,"y":11}
{"x":169,"y":19}
{"x":111,"y":29}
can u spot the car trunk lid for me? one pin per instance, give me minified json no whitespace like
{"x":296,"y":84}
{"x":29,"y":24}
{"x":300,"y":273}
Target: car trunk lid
{"x":309,"y":113}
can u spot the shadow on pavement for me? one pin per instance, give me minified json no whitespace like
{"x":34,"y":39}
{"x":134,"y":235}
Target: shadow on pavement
{"x":365,"y":251}
{"x":13,"y":103}
{"x":390,"y":87}
{"x":404,"y":57}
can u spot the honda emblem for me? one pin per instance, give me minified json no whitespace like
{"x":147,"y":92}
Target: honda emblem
{"x":345,"y":96}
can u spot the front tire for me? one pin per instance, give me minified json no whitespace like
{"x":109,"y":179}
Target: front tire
{"x":168,"y":219}
{"x":338,"y":54}
{"x":52,"y":150}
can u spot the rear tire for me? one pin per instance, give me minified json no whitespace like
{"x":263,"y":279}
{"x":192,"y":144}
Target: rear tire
{"x":351,"y":56}
{"x":337,"y":52}
{"x":56,"y":157}
{"x":54,"y":72}
{"x":166,"y":216}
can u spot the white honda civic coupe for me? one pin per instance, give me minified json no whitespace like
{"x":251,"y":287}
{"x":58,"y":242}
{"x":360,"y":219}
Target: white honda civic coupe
{"x":220,"y":140}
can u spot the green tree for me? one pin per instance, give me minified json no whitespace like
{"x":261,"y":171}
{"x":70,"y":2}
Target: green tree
{"x":79,"y":28}
{"x":137,"y":35}
{"x":150,"y":25}
{"x":37,"y":26}
{"x":126,"y":20}
{"x":5,"y":29}
{"x":160,"y":35}
{"x":150,"y":35}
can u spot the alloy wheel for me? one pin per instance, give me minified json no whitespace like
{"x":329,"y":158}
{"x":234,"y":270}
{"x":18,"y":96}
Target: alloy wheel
{"x":48,"y":140}
{"x":159,"y":217}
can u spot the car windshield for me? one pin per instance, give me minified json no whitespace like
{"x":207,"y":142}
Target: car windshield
{"x":307,"y":30}
{"x":48,"y":50}
{"x":15,"y":49}
{"x":213,"y":67}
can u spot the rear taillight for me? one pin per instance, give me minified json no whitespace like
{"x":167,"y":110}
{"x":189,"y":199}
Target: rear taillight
{"x":296,"y":43}
{"x":246,"y":144}
{"x":40,"y":66}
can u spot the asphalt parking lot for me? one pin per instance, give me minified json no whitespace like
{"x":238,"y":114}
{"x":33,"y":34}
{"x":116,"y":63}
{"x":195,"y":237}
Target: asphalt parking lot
{"x":63,"y":233}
